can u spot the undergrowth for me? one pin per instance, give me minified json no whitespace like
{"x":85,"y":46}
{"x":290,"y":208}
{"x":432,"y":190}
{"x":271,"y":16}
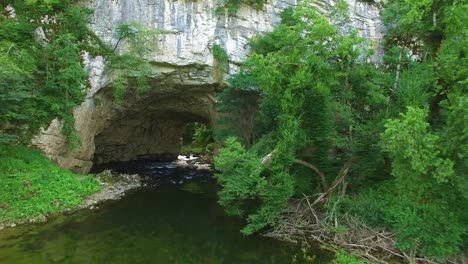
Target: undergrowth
{"x":31,"y":185}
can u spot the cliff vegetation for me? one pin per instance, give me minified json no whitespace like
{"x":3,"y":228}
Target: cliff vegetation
{"x":319,"y":141}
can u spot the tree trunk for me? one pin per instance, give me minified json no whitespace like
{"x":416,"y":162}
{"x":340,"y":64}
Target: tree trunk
{"x":398,"y":69}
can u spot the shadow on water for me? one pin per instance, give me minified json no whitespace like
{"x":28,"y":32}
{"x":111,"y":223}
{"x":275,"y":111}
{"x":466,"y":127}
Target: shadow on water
{"x":177,"y":222}
{"x":157,"y":173}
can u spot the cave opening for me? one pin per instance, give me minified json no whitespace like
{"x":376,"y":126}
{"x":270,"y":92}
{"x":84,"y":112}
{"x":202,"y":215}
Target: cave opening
{"x":163,"y":150}
{"x":152,"y":137}
{"x":158,"y":126}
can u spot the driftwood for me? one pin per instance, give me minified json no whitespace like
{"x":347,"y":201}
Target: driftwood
{"x":267,"y":159}
{"x":329,"y":191}
{"x":303,"y":222}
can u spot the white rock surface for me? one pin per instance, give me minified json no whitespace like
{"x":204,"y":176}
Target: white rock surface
{"x":182,"y":73}
{"x":193,"y":27}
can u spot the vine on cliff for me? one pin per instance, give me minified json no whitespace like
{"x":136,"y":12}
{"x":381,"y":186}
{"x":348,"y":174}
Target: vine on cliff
{"x":130,"y":67}
{"x":221,"y":63}
{"x":232,"y":6}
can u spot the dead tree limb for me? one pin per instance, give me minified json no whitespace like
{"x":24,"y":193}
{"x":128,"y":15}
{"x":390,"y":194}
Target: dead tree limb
{"x":316,"y":170}
{"x":344,"y":171}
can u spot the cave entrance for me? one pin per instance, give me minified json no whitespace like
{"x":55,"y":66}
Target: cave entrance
{"x":151,"y":137}
{"x":158,"y":127}
{"x":167,"y":148}
{"x":162,"y":149}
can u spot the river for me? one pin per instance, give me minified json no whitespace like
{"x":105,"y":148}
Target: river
{"x":174,"y":219}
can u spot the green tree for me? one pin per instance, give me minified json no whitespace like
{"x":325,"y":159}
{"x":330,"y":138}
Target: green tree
{"x":317,"y":100}
{"x":65,"y":81}
{"x":298,"y":71}
{"x":16,"y":99}
{"x":427,"y":220}
{"x":237,"y":110}
{"x":45,"y":79}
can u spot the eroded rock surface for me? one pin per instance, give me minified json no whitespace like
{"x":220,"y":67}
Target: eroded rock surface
{"x":183,"y":82}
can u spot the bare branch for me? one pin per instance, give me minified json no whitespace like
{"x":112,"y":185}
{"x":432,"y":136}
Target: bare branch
{"x":316,"y":170}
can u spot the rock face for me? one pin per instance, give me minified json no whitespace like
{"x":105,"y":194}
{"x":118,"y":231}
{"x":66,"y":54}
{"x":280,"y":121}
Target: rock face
{"x":183,"y":79}
{"x":193,"y":27}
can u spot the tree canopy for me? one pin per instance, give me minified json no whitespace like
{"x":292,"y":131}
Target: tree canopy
{"x":316,"y":105}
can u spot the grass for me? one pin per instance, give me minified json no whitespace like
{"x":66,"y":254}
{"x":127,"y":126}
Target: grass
{"x":342,"y":257}
{"x":31,"y":185}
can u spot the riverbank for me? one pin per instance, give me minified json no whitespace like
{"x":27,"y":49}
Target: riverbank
{"x":33,"y":189}
{"x":111,"y":187}
{"x":169,"y":223}
{"x":345,"y":235}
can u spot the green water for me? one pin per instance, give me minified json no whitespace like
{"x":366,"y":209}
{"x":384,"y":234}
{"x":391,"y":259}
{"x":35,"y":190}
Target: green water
{"x":172,"y":224}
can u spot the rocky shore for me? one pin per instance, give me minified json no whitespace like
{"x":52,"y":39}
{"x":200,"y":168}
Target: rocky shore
{"x":113,"y":187}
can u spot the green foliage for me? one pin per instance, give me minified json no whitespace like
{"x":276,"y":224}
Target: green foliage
{"x":15,"y":31}
{"x":309,"y":93}
{"x":432,"y":227}
{"x":74,"y":21}
{"x":202,"y":135}
{"x":15,"y":97}
{"x":129,"y":72}
{"x":221,"y":65}
{"x":197,"y":139}
{"x":421,"y":176}
{"x":238,"y":106}
{"x":424,"y":203}
{"x":247,"y":190}
{"x":31,"y":185}
{"x":291,"y":90}
{"x":137,"y":38}
{"x":232,"y":6}
{"x":342,"y":257}
{"x":65,"y":81}
{"x":45,"y":79}
{"x":130,"y":68}
{"x":46,"y":3}
{"x":455,"y":136}
{"x":415,"y":151}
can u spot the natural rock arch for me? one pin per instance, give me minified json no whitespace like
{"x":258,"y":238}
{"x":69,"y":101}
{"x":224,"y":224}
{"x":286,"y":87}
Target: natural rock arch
{"x":182,"y":88}
{"x":152,"y":127}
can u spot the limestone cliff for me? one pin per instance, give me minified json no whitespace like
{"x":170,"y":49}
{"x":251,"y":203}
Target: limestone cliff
{"x":183,"y":85}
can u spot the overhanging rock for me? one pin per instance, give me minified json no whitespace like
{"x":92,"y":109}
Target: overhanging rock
{"x":183,"y":87}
